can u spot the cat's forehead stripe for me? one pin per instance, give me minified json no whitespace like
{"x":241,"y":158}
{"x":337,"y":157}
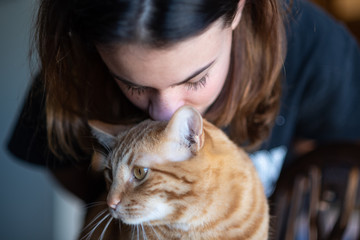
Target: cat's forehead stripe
{"x":135,"y":137}
{"x":130,"y":158}
{"x":173,"y":175}
{"x":128,"y":143}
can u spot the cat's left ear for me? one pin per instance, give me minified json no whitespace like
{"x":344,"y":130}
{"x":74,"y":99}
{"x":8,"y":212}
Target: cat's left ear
{"x":105,"y":133}
{"x":185,"y":131}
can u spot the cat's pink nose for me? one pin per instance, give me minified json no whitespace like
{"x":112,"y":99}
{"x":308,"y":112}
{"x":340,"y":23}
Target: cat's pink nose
{"x":113,"y":201}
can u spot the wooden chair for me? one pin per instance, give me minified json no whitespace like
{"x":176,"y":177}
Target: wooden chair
{"x":318,"y":197}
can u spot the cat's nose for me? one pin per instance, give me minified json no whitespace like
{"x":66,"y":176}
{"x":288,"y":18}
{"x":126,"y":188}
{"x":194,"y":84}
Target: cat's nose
{"x":113,"y":201}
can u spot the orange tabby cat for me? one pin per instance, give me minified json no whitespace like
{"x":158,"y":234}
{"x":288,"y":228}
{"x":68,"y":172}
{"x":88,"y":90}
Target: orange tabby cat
{"x":178,"y":180}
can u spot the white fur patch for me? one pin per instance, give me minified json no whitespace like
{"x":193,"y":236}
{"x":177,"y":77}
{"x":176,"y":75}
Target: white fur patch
{"x":155,"y":209}
{"x":176,"y":152}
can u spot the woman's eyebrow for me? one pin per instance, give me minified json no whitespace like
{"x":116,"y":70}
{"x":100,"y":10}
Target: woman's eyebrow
{"x":126,"y":82}
{"x":196,"y":73}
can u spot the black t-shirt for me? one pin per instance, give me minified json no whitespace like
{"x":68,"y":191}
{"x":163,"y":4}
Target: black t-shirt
{"x":321,"y":96}
{"x":321,"y":90}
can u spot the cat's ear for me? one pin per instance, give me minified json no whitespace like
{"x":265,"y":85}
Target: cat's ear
{"x":105,"y":133}
{"x":185,"y":128}
{"x":98,"y":161}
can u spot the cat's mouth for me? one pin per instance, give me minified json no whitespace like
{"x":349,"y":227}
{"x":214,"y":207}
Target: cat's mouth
{"x":114,"y":214}
{"x":127,"y":217}
{"x":139,"y":215}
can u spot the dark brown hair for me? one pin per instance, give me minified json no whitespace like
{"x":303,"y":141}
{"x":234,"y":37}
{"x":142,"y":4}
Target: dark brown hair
{"x":79,"y":87}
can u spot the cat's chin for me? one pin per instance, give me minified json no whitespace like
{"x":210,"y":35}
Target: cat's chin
{"x":134,"y":221}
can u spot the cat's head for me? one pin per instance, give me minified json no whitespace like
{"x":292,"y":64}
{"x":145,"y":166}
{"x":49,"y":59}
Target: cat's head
{"x":150,"y":168}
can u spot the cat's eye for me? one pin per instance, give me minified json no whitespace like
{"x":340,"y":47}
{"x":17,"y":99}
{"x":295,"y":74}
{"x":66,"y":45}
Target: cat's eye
{"x":140,"y":172}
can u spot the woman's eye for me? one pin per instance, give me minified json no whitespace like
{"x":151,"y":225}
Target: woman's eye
{"x":140,"y":172}
{"x":196,"y":85}
{"x":190,"y":86}
{"x":135,"y":89}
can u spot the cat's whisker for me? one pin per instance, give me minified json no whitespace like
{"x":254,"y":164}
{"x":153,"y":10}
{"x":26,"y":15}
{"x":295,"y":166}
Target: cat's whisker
{"x":132,"y":232}
{"x":88,"y":236}
{"x":95,"y":204}
{"x":143,"y":231}
{"x":157,"y":235}
{"x":137,"y":232}
{"x":95,"y":218}
{"x":105,"y":228}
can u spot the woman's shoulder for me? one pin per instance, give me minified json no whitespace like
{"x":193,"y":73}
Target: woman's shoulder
{"x":313,"y":35}
{"x":321,"y":89}
{"x":28,"y":141}
{"x":318,"y":47}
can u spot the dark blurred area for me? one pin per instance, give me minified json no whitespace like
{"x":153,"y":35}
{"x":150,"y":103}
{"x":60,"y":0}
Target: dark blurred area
{"x":318,"y":196}
{"x":346,"y":11}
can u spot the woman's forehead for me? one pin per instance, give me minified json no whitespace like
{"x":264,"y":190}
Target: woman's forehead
{"x":137,"y":62}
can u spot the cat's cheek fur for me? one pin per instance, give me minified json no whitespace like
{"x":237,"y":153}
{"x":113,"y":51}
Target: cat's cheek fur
{"x":155,"y":210}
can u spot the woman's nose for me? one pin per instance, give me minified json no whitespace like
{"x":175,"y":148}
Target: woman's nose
{"x":163,"y":105}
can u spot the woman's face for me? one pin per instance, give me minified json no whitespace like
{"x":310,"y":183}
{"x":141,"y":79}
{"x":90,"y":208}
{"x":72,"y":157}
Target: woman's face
{"x":159,"y":81}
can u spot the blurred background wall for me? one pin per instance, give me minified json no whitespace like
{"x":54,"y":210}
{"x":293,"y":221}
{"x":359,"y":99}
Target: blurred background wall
{"x":32,"y":206}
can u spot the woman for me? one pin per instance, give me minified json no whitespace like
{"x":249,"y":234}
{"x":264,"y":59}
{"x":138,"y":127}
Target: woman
{"x":123,"y":61}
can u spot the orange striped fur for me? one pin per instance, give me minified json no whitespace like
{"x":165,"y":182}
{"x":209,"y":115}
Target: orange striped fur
{"x":199,"y":185}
